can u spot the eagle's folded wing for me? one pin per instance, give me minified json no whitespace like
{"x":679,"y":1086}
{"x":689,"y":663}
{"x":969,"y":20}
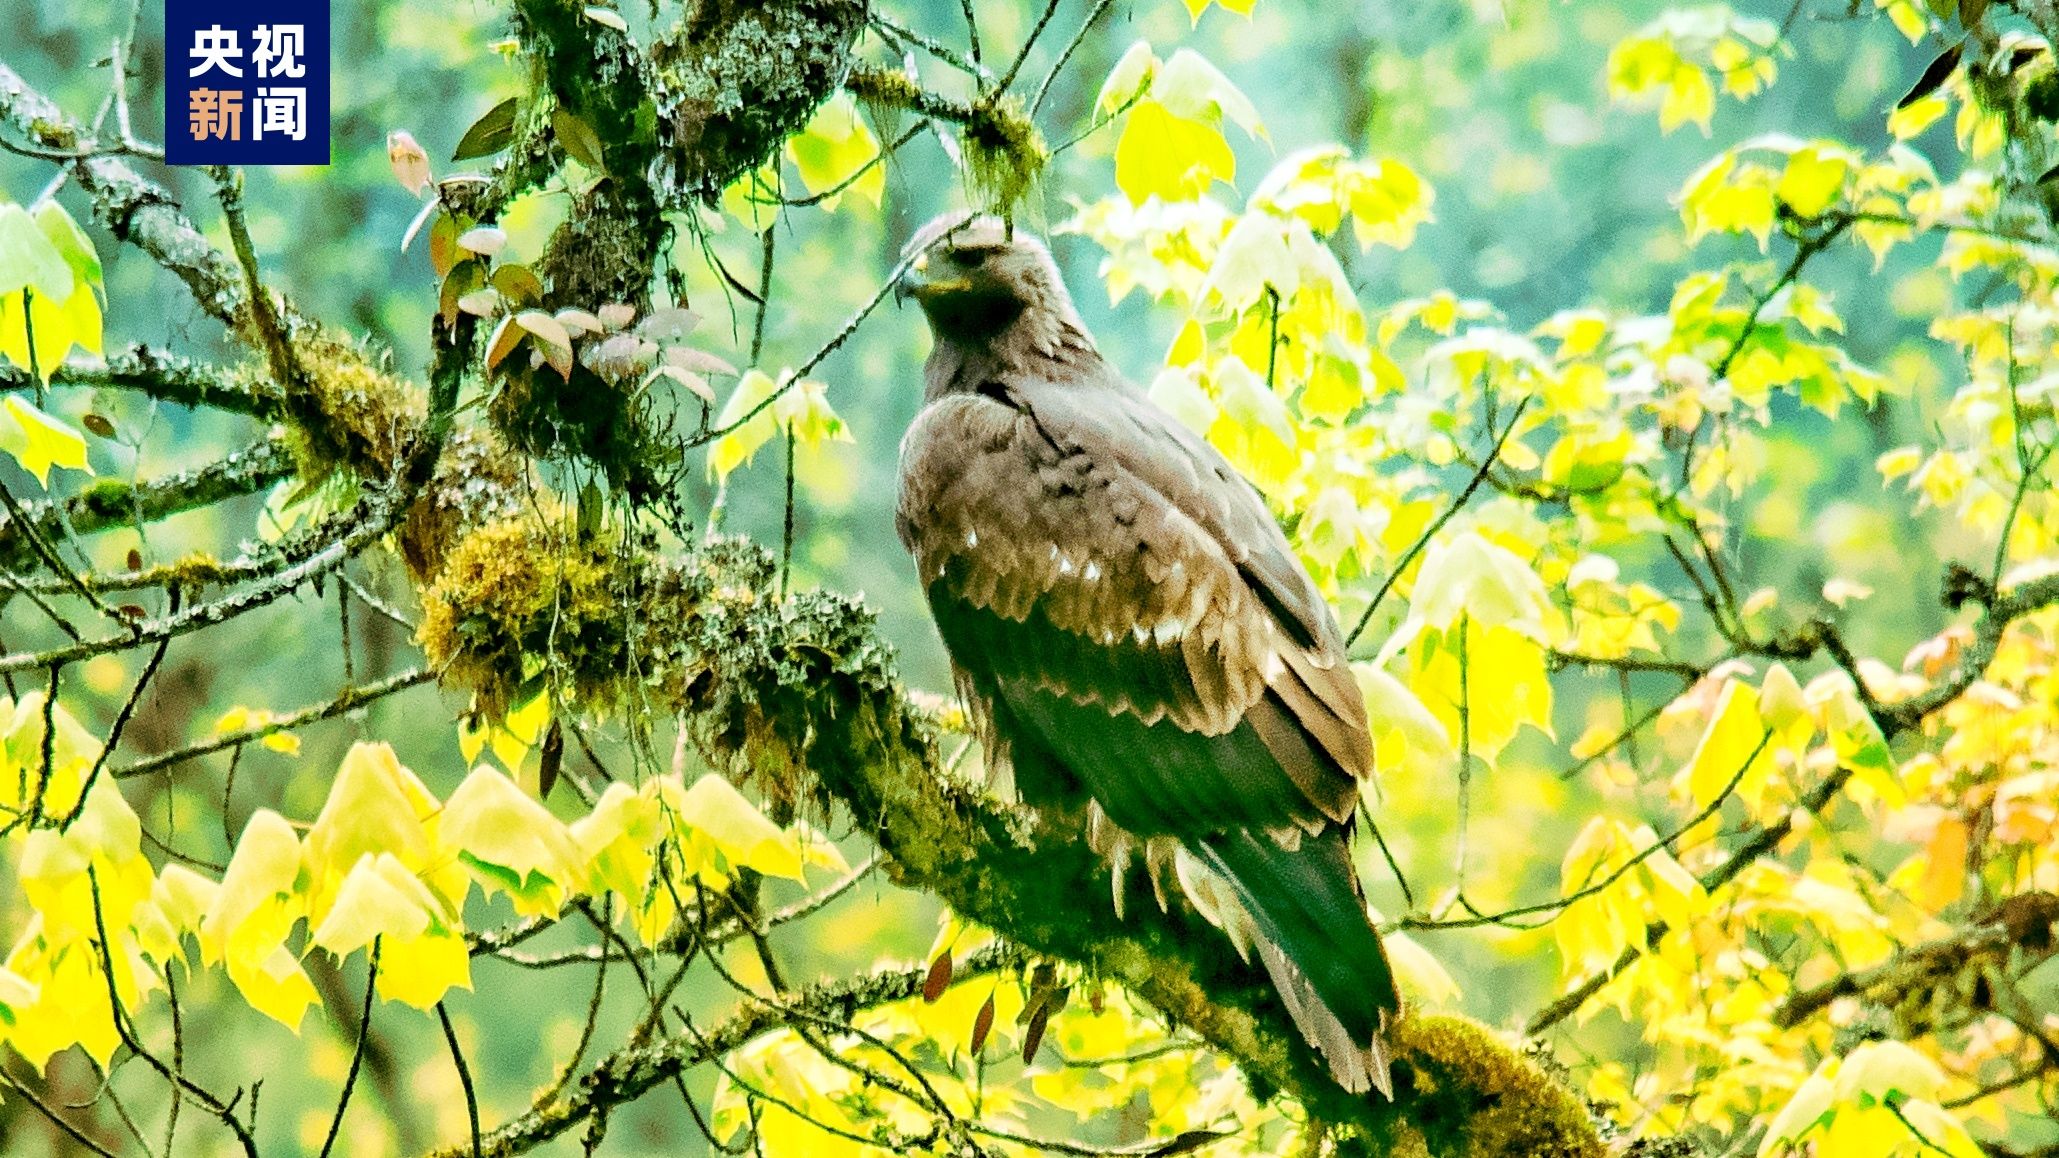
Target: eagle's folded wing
{"x":1107,"y":584}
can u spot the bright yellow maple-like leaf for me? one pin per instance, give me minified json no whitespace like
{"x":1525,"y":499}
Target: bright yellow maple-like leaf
{"x":422,"y":952}
{"x":725,"y":832}
{"x":1727,"y":196}
{"x":1909,"y":121}
{"x":379,"y":897}
{"x":252,"y":912}
{"x":511,"y":738}
{"x":511,"y":842}
{"x":1483,"y":684}
{"x":72,"y":752}
{"x":1409,"y":743}
{"x":1196,"y":7}
{"x":37,"y":441}
{"x":70,"y":1002}
{"x":377,"y":805}
{"x":1252,"y":428}
{"x":614,"y":841}
{"x":1170,"y":157}
{"x":1466,"y":575}
{"x":59,"y":325}
{"x":1735,"y":749}
{"x":1814,"y":179}
{"x":805,"y":413}
{"x":747,"y":417}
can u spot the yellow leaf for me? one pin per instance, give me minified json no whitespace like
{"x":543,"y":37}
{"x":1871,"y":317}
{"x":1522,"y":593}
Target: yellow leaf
{"x":1689,"y":97}
{"x":1734,"y":748}
{"x":1813,"y":180}
{"x":752,"y":397}
{"x":1169,"y":157}
{"x":1725,"y":196}
{"x":1878,"y":1070}
{"x":1420,"y":974}
{"x":378,"y":898}
{"x":1911,"y":119}
{"x":375,"y":806}
{"x":805,"y":412}
{"x":754,"y":197}
{"x":251,"y":913}
{"x":614,"y":840}
{"x":1803,"y":1111}
{"x":1467,"y":575}
{"x":723,"y":822}
{"x":511,"y":842}
{"x":38,"y":441}
{"x":837,"y":147}
{"x":1407,"y":738}
{"x":1484,"y":685}
{"x":420,"y":972}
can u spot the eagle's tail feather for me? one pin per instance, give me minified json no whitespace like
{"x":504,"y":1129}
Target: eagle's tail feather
{"x":1319,"y":946}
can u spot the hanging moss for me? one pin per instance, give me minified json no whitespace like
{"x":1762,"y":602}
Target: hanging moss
{"x":1004,"y":155}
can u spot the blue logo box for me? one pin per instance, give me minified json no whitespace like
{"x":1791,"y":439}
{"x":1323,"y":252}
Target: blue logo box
{"x":246,"y":82}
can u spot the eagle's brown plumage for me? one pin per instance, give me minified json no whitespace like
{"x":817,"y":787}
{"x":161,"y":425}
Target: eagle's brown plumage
{"x":1132,"y":631}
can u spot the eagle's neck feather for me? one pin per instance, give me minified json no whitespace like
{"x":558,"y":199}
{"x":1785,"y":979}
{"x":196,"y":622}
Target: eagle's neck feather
{"x":1043,"y":344}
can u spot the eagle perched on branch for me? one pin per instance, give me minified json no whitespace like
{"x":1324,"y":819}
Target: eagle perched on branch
{"x":1132,"y":632}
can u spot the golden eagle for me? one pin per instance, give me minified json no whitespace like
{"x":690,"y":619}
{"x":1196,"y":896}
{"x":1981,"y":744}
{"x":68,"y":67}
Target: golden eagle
{"x":1132,"y":632}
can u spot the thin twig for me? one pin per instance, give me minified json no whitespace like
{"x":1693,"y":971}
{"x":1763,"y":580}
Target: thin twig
{"x":1423,"y":540}
{"x":357,"y":1052}
{"x":457,"y":1057}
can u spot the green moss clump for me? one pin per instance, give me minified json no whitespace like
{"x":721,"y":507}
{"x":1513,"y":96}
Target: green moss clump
{"x":627,"y":436}
{"x":1474,"y":1096}
{"x":738,"y":78}
{"x":346,"y":412}
{"x":477,"y":481}
{"x":515,"y":599}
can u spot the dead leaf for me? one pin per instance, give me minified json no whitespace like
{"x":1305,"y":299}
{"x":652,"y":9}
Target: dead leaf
{"x":410,"y":162}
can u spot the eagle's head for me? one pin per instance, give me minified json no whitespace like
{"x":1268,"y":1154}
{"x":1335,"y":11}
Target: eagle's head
{"x":977,"y":278}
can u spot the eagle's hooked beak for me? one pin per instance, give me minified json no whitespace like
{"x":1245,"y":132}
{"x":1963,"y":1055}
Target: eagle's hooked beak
{"x":917,"y":284}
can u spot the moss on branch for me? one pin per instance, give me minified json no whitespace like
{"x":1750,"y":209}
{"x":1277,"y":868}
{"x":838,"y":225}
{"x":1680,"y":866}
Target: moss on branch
{"x":799,"y":695}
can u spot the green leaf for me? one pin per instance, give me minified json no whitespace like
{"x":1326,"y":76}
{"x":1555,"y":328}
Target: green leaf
{"x":29,"y":259}
{"x":70,"y":242}
{"x":489,"y":134}
{"x":579,"y":140}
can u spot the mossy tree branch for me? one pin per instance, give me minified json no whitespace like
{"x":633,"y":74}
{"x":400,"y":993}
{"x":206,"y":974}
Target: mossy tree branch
{"x":800,"y":695}
{"x":111,"y":503}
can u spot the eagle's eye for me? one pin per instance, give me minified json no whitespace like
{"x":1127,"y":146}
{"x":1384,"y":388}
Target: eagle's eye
{"x":967,"y":258}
